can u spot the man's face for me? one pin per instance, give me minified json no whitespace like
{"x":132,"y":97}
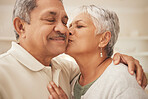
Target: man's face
{"x":47,"y":32}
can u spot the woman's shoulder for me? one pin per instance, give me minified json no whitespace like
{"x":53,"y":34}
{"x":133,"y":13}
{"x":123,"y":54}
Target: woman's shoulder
{"x":120,"y":81}
{"x":120,"y":75}
{"x":120,"y":71}
{"x":117,"y":70}
{"x":127,"y":83}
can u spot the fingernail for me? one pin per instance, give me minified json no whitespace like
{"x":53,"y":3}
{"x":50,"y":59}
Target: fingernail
{"x":50,"y":96}
{"x":115,"y":62}
{"x":132,"y":72}
{"x":143,"y":87}
{"x":49,"y":86}
{"x":139,"y":82}
{"x":52,"y":83}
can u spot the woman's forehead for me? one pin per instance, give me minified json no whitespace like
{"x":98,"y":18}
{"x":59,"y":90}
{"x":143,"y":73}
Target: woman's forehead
{"x":82,"y":17}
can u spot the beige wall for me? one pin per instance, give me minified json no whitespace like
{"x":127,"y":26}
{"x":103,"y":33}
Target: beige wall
{"x":6,"y":27}
{"x":133,"y":14}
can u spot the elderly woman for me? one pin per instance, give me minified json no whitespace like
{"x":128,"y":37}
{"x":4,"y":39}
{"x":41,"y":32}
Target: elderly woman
{"x":93,"y":34}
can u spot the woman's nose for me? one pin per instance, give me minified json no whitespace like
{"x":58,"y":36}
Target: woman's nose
{"x":70,"y":33}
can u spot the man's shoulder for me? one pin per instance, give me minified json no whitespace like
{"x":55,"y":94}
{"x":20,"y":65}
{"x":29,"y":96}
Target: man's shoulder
{"x":3,"y":55}
{"x":7,"y":61}
{"x":4,"y":64}
{"x":5,"y":58}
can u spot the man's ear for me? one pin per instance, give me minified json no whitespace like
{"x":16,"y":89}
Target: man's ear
{"x":19,"y":26}
{"x":104,"y":39}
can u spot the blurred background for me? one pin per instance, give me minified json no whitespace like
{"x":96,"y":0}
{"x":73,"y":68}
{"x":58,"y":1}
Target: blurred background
{"x":133,"y":16}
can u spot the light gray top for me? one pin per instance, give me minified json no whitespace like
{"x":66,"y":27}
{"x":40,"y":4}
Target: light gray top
{"x":114,"y":83}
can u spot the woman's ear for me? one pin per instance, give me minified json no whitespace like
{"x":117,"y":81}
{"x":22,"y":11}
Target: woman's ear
{"x":19,"y":26}
{"x":104,"y":39}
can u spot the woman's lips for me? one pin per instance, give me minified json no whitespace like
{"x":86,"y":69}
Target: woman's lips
{"x":70,"y":41}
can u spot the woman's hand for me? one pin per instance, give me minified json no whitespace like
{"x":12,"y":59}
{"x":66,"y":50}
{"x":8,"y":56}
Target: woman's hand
{"x":56,"y":92}
{"x":133,"y":66}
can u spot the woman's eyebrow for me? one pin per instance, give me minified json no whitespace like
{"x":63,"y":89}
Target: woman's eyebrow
{"x":78,"y":21}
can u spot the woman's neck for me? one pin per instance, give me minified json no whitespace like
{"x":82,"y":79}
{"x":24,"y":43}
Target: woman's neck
{"x":91,"y":66}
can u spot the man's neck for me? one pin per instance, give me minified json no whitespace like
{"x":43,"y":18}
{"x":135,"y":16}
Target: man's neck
{"x":42,"y":57}
{"x":45,"y":60}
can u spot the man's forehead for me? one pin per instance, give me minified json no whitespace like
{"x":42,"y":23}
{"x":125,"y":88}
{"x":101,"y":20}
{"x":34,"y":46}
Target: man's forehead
{"x":52,"y":6}
{"x":55,"y":12}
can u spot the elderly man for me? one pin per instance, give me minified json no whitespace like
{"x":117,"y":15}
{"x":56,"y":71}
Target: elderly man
{"x":28,"y":67}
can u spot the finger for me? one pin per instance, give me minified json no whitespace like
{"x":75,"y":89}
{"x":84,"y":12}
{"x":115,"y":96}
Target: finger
{"x":131,"y":67}
{"x":63,"y":93}
{"x":59,"y":91}
{"x":139,"y":72}
{"x":52,"y":92}
{"x":55,"y":87}
{"x":144,"y":81}
{"x":116,"y":58}
{"x":50,"y":97}
{"x":128,"y":60}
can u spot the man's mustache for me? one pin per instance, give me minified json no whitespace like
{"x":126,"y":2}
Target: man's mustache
{"x":62,"y":35}
{"x":59,"y":35}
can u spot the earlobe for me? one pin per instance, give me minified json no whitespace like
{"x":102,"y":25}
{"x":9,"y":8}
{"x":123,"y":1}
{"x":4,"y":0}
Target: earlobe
{"x":19,"y":26}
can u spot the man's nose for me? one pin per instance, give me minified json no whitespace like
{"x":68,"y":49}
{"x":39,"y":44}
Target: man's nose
{"x":60,"y":27}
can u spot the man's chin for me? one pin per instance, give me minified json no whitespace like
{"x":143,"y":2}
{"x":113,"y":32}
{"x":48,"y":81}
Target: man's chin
{"x":61,"y":51}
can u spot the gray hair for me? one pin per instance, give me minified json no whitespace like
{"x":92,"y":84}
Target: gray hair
{"x":104,"y":20}
{"x":22,"y":9}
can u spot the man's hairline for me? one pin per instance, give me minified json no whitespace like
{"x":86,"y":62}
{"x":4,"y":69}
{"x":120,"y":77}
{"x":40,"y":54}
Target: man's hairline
{"x":54,"y":11}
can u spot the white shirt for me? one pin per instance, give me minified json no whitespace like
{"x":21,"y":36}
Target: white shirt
{"x":114,"y":83}
{"x":23,"y":77}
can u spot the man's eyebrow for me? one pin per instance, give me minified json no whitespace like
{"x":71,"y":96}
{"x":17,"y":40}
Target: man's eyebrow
{"x":52,"y":13}
{"x":49,"y":13}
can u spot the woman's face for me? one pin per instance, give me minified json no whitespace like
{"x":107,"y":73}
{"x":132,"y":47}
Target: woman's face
{"x":82,"y":38}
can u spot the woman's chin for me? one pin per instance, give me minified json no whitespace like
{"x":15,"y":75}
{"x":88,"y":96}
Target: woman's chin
{"x":69,"y":52}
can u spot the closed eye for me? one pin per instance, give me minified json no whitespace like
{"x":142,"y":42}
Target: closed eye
{"x":65,"y":23}
{"x":52,"y":20}
{"x":79,"y":26}
{"x":70,"y":25}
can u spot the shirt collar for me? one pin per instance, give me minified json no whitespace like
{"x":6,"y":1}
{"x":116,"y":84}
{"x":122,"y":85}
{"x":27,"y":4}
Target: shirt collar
{"x":25,"y":58}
